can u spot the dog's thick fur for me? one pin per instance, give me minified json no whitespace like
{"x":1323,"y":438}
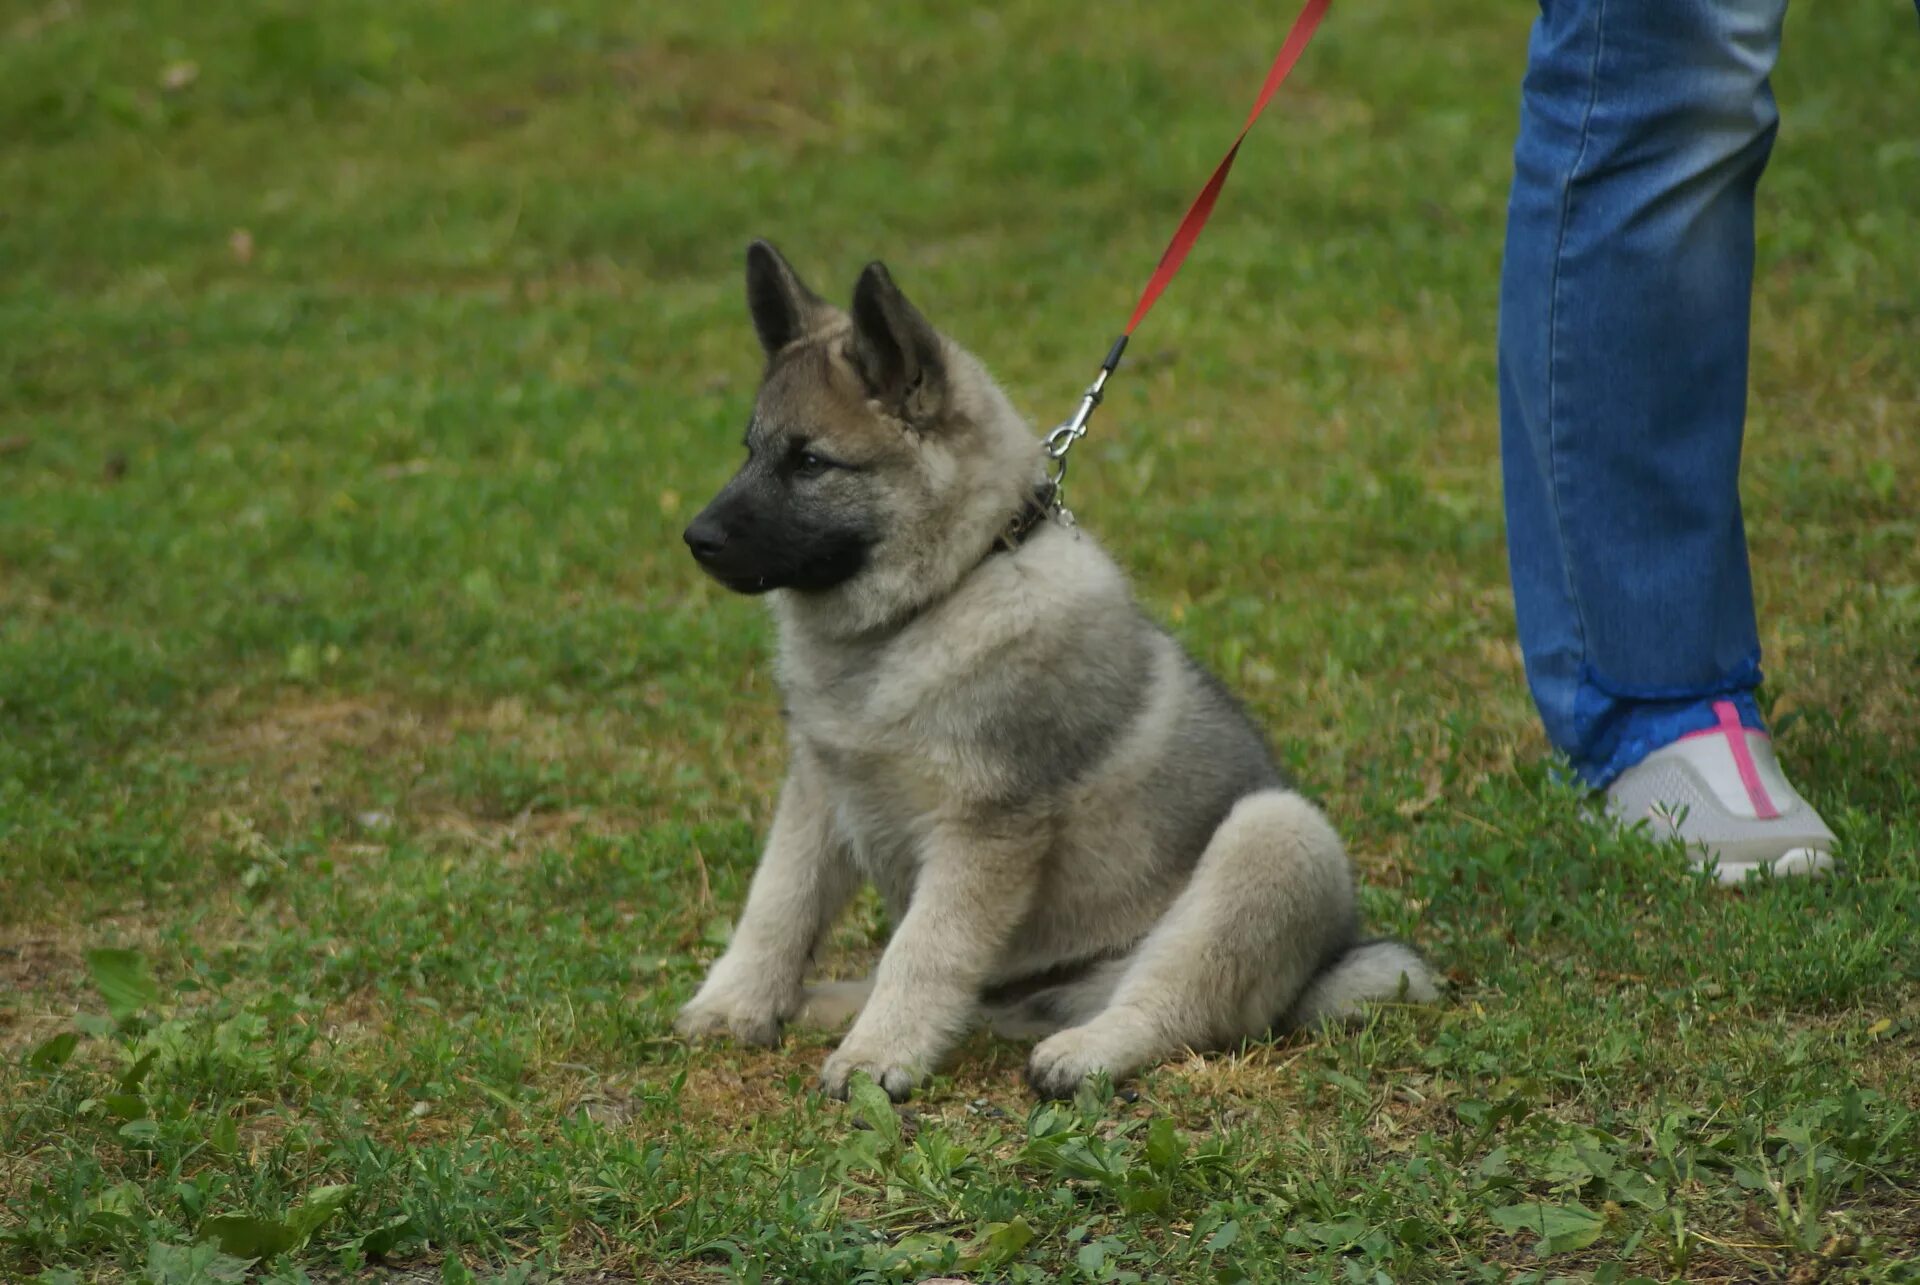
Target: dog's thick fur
{"x":1075,"y":829}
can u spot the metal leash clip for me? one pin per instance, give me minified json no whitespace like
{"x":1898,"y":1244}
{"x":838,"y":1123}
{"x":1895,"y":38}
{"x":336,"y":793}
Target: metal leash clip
{"x":1071,"y":430}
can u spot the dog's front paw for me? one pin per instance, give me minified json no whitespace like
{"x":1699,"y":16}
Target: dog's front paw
{"x":1060,"y":1063}
{"x":759,"y":1029}
{"x":896,"y":1075}
{"x":746,"y":1018}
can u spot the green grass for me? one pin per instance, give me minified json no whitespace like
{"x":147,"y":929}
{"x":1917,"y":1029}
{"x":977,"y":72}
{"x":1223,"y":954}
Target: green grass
{"x":353,"y":392}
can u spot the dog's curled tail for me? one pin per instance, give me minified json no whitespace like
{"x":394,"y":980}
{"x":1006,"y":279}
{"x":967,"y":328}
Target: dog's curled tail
{"x":1373,"y":972}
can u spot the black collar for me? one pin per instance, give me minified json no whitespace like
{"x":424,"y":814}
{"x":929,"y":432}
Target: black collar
{"x":1038,"y":508}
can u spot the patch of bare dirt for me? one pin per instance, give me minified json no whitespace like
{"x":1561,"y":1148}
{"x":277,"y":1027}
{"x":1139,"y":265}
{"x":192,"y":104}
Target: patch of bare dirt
{"x":296,"y":761}
{"x":43,"y":973}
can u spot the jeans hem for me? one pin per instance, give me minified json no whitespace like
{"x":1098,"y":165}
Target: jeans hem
{"x":1649,"y":719}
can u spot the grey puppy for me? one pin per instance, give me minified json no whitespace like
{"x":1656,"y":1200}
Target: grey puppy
{"x":1076,"y":830}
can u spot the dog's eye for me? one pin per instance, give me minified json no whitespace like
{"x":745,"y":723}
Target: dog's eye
{"x":808,"y":464}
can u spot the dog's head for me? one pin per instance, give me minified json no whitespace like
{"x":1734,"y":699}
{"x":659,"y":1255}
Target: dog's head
{"x":881,"y":459}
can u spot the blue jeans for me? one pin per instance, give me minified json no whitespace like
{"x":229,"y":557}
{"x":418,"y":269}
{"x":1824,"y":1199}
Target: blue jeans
{"x":1624,"y":302}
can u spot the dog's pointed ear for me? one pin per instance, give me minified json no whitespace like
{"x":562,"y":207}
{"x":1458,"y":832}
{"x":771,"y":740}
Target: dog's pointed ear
{"x":897,"y":350}
{"x":783,"y":308}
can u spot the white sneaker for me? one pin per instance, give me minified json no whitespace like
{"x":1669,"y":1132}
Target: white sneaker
{"x":1722,"y":791}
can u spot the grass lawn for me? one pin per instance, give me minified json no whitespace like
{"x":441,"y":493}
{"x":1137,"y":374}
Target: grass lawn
{"x":377,"y":774}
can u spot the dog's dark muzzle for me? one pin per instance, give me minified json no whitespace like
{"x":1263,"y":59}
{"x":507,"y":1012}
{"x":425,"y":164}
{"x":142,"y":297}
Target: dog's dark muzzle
{"x":726,"y":542}
{"x":753,"y":538}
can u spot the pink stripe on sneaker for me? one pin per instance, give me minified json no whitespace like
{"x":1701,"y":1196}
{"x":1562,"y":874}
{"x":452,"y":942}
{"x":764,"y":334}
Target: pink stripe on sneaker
{"x":1720,"y":731}
{"x":1743,"y":760}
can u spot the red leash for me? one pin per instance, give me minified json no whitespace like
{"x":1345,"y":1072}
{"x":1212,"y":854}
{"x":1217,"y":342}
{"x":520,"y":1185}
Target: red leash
{"x":1202,"y":208}
{"x":1061,"y":439}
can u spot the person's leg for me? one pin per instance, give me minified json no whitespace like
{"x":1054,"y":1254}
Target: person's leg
{"x":1625,"y":295}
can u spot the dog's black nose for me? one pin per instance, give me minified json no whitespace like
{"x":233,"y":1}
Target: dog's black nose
{"x":705,"y":537}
